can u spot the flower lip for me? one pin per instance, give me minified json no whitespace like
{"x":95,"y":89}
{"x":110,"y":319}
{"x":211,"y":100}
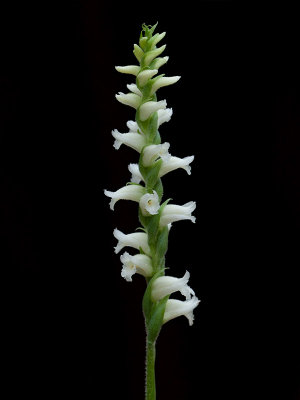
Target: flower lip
{"x":149,"y":203}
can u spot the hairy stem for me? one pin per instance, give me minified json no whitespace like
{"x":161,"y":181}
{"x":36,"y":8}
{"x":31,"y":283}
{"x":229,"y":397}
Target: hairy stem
{"x":150,"y":371}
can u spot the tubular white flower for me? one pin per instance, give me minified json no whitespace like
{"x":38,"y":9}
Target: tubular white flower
{"x":136,"y":175}
{"x":154,"y":151}
{"x":172,"y":213}
{"x":131,"y":139}
{"x":145,"y":75}
{"x":150,"y":107}
{"x":149,"y":203}
{"x":176,"y":308}
{"x":129,"y":69}
{"x":134,"y":89}
{"x":164,"y":115}
{"x":172,"y":163}
{"x":129,"y":192}
{"x":165,"y":285}
{"x":129,"y":99}
{"x":163,"y":81}
{"x":140,"y":264}
{"x":136,"y":240}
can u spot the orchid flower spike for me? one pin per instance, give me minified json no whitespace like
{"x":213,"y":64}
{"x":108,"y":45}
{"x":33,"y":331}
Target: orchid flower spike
{"x":155,"y":214}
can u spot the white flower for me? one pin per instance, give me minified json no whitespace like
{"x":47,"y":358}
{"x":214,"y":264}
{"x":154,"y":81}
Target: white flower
{"x":165,"y":285}
{"x":173,"y":212}
{"x":136,"y":240}
{"x":149,"y":203}
{"x":140,"y":263}
{"x":129,"y":99}
{"x":154,"y":151}
{"x":163,"y":81}
{"x":129,"y":69}
{"x":131,"y":139}
{"x":129,"y":192}
{"x":164,"y":115}
{"x":169,"y":164}
{"x":176,"y":308}
{"x":150,"y":107}
{"x":145,"y":75}
{"x":172,"y":163}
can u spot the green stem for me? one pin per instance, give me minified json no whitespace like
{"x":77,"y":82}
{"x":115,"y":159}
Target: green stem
{"x":150,"y":371}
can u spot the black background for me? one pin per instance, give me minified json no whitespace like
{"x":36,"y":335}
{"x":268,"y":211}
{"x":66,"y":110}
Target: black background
{"x":70,"y":325}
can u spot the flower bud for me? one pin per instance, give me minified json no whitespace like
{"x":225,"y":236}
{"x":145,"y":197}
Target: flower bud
{"x":150,"y":107}
{"x":145,"y":75}
{"x":163,"y":81}
{"x":129,"y":99}
{"x":129,"y":69}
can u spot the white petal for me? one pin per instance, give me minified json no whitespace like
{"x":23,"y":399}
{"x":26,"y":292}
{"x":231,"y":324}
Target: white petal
{"x":173,"y":163}
{"x":129,"y":99}
{"x":129,"y":69}
{"x":176,"y":308}
{"x":150,"y":107}
{"x":164,"y":115}
{"x":163,"y":81}
{"x":136,"y":240}
{"x":172,"y":213}
{"x":135,"y":172}
{"x":149,"y":203}
{"x":134,"y":140}
{"x":129,"y":192}
{"x":154,"y":151}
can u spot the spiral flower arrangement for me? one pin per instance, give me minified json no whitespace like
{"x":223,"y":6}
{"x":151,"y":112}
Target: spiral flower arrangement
{"x":146,"y":188}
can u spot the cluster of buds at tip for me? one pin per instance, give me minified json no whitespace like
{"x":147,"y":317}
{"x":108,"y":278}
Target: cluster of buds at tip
{"x":145,"y":188}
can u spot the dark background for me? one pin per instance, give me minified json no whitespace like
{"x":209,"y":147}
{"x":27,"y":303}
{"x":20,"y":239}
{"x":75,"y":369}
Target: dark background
{"x":70,"y":325}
